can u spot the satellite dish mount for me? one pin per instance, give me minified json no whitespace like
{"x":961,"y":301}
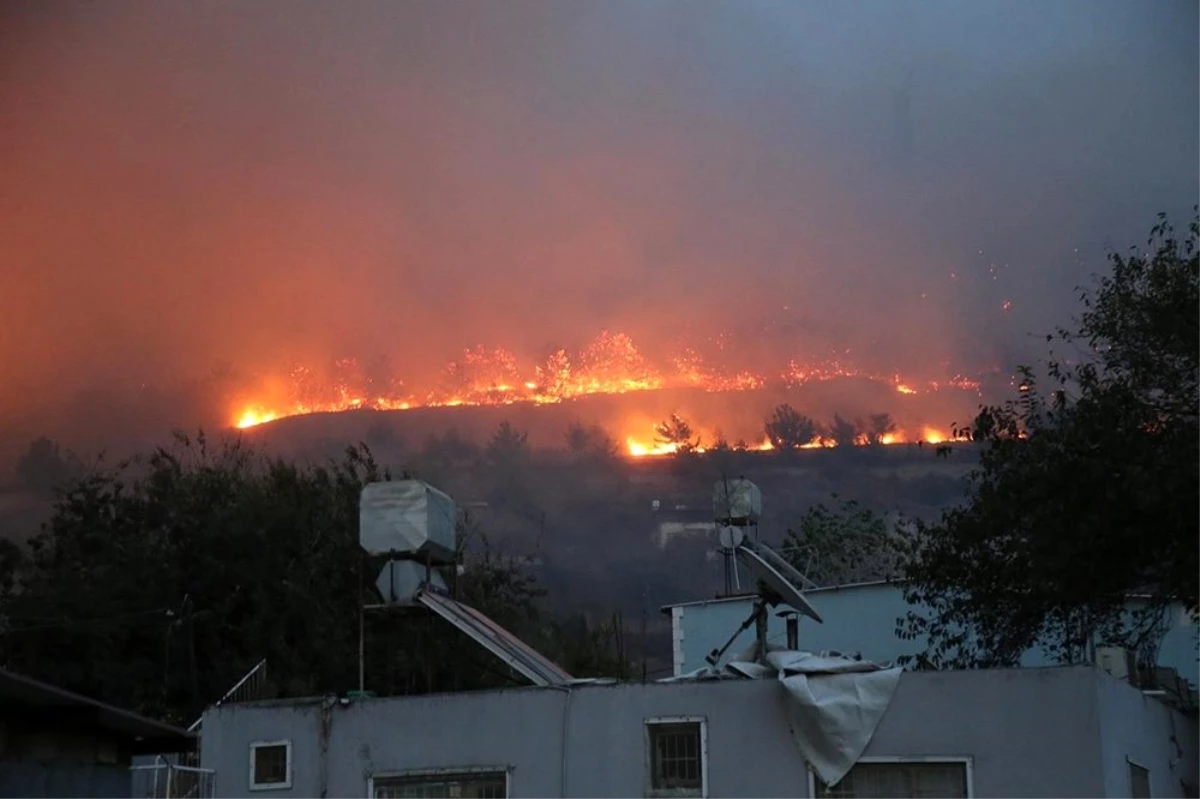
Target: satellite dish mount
{"x":737,"y":507}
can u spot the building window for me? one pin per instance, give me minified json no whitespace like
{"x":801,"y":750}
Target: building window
{"x":1139,"y":781}
{"x":270,"y":765}
{"x":911,"y":779}
{"x":676,"y":753}
{"x":480,"y":784}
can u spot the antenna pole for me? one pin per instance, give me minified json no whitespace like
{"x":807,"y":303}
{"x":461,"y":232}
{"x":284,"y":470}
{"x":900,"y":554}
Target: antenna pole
{"x":643,"y":631}
{"x":760,"y":631}
{"x":362,"y":670}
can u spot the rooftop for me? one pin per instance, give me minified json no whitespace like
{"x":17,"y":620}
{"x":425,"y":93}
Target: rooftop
{"x":146,"y":735}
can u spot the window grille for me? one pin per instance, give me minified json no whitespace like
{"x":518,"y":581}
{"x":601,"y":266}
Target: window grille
{"x":676,"y":758}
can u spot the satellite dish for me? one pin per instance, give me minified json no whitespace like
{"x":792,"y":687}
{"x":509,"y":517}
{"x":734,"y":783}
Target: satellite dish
{"x":790,"y":572}
{"x":731,"y":537}
{"x":783,"y":589}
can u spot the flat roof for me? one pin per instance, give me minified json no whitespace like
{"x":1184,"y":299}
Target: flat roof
{"x":157,"y":737}
{"x":751,"y":595}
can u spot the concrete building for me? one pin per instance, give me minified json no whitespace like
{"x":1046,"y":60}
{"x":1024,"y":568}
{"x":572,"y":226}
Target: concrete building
{"x":1053,"y":732}
{"x":57,"y":743}
{"x":862,"y":618}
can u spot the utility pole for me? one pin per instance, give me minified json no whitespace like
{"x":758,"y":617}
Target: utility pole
{"x":644,"y":631}
{"x":190,"y":615}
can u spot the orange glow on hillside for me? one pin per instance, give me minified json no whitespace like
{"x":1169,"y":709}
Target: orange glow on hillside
{"x":611,"y":364}
{"x":649,"y":445}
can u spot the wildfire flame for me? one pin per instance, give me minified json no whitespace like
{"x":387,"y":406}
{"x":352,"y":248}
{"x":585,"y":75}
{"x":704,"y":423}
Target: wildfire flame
{"x":611,"y":364}
{"x":642,"y":447}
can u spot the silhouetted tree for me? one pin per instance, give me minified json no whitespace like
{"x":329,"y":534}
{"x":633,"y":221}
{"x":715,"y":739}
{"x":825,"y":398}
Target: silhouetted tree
{"x":382,"y":437}
{"x":507,"y":457}
{"x":597,"y":651}
{"x":452,"y":449}
{"x":1082,"y":497}
{"x":676,"y":431}
{"x":590,"y":443}
{"x":508,"y":447}
{"x":168,"y":577}
{"x":879,"y":425}
{"x":788,"y":429}
{"x":843,"y":432}
{"x":846,"y":544}
{"x":44,"y":467}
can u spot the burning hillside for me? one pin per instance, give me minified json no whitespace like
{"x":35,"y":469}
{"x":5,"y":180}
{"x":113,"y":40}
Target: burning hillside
{"x":205,"y":204}
{"x":610,"y":365}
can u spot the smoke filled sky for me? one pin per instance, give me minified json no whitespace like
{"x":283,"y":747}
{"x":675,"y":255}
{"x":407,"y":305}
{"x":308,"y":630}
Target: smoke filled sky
{"x":187,"y":185}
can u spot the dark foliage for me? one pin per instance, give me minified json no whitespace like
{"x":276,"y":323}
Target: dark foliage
{"x":1085,"y":496}
{"x":788,"y":429}
{"x":44,"y":467}
{"x":846,"y":544}
{"x":158,"y":583}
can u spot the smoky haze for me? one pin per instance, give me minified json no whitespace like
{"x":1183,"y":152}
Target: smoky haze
{"x":191,"y":187}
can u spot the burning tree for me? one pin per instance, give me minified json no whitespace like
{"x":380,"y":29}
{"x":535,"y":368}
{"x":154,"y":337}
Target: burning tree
{"x":676,"y":433}
{"x":788,"y":429}
{"x":843,"y":432}
{"x":879,"y":425}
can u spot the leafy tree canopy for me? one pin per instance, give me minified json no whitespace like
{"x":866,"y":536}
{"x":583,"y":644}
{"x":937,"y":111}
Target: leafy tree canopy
{"x":848,"y":543}
{"x":44,"y":467}
{"x":844,"y":432}
{"x":1085,"y":496}
{"x":166,"y":578}
{"x":508,"y":447}
{"x":678,"y":432}
{"x":877,"y":427}
{"x":788,"y":429}
{"x":591,"y":443}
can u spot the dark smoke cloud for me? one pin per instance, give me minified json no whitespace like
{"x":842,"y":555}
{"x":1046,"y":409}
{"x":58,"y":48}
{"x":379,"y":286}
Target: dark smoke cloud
{"x":191,"y":185}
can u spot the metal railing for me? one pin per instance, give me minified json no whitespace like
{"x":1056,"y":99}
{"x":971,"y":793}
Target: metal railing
{"x":167,"y":780}
{"x":243,"y":690}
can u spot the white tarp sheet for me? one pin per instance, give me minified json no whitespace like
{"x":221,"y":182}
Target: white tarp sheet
{"x":836,"y":706}
{"x":834,"y":703}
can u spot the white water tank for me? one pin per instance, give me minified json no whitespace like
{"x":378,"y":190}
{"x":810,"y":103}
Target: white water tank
{"x":736,"y":502}
{"x":407,"y":516}
{"x":1116,"y":661}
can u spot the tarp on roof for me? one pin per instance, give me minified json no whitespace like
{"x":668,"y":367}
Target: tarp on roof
{"x":834,"y":703}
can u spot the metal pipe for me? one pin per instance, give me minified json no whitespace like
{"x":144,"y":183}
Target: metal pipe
{"x":566,"y":717}
{"x":760,"y":629}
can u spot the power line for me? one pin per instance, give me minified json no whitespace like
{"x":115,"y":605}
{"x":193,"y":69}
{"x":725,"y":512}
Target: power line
{"x":163,"y":613}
